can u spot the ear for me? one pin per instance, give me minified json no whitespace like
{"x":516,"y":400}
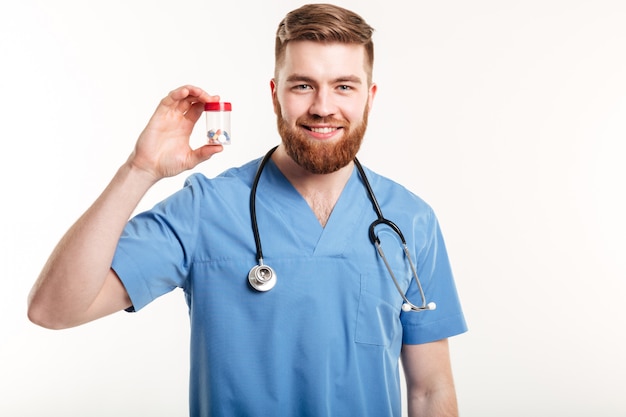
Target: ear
{"x":273,"y":88}
{"x":371,"y":95}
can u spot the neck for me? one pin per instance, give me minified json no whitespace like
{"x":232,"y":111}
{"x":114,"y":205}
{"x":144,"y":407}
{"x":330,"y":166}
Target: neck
{"x":321,"y":191}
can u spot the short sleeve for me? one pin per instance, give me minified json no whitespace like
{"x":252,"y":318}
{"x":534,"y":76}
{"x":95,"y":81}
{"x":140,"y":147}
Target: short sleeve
{"x":153,"y":255}
{"x":435,"y":274}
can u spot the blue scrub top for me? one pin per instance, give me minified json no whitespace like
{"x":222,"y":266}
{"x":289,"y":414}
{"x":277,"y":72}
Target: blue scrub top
{"x":326,"y":340}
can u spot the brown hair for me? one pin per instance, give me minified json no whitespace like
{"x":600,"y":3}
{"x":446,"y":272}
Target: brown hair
{"x":324,"y":23}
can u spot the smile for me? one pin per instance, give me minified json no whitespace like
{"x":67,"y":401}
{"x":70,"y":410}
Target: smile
{"x":323,"y":130}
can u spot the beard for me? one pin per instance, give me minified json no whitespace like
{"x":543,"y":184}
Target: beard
{"x":321,"y":157}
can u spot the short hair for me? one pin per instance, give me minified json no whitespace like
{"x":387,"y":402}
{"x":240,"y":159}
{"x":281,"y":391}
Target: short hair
{"x":325,"y":23}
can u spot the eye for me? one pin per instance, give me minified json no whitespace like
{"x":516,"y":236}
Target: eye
{"x":302,"y":87}
{"x":346,"y":88}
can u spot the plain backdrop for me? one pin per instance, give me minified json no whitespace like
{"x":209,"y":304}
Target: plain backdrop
{"x":508,"y":117}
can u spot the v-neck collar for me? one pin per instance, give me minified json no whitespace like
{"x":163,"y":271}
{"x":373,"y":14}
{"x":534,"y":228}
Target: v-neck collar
{"x":299,"y":221}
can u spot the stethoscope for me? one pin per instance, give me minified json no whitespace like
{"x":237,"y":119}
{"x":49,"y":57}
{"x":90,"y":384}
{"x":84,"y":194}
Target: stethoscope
{"x":263,"y":278}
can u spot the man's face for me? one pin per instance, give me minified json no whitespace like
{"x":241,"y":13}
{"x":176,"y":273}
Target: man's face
{"x":322,"y":100}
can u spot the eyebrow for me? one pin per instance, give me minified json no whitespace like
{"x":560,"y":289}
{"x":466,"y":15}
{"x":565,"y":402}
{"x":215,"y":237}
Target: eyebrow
{"x":308,"y":80}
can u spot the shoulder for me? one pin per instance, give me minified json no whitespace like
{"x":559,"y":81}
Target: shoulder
{"x":198,"y":190}
{"x":232,"y":178}
{"x":396,"y":196}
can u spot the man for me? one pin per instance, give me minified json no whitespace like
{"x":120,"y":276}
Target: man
{"x":326,"y":341}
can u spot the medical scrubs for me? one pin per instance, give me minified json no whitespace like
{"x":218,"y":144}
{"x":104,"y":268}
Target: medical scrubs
{"x":326,"y":340}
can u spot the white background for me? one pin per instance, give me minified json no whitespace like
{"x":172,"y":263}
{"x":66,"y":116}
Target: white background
{"x":508,"y":117}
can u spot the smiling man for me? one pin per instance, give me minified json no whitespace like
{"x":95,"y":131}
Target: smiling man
{"x":325,"y":96}
{"x":322,"y":97}
{"x":328,"y":338}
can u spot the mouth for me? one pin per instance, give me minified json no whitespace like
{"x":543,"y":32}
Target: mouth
{"x":322,"y":130}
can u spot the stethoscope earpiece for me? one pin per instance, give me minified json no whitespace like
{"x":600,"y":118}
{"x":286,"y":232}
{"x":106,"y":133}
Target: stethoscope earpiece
{"x":412,"y":307}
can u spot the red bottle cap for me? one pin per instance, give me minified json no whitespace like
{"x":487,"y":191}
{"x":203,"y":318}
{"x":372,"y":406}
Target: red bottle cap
{"x":217,"y":106}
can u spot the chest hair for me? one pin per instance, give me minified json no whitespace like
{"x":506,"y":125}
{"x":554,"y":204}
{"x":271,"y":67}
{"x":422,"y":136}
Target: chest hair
{"x":322,"y":206}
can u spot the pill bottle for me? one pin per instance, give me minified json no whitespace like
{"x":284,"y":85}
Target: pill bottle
{"x":218,"y":123}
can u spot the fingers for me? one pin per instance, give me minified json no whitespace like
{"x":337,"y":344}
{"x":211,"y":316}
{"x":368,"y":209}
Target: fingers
{"x":163,"y":146}
{"x":184,"y":98}
{"x":180,"y":110}
{"x":195,"y":112}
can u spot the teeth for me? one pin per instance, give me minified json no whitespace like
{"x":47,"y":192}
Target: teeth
{"x":323,"y":129}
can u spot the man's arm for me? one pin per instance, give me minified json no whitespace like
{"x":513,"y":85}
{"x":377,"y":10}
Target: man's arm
{"x":77,"y":284}
{"x":430,"y":385}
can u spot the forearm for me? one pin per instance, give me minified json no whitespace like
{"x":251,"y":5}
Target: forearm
{"x":77,"y":268}
{"x":439,"y":403}
{"x":429,"y":381}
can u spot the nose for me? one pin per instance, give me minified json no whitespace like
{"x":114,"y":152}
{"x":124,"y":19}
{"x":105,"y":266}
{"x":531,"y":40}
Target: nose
{"x":323,"y":104}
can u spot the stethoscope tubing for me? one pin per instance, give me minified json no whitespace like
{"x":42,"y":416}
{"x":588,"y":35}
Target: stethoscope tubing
{"x":407,"y":306}
{"x":255,"y":184}
{"x":263,"y":278}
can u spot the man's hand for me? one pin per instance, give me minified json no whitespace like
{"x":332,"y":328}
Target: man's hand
{"x":162,"y":149}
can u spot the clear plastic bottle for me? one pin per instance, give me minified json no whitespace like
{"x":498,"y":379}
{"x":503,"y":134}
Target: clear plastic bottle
{"x":218,"y":122}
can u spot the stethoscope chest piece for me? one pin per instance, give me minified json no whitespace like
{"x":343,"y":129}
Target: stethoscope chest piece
{"x":262,"y":278}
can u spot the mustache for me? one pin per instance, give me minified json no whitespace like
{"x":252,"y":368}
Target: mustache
{"x":326,"y":120}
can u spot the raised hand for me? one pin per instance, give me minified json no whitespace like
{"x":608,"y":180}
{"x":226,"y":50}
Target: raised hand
{"x":163,"y":149}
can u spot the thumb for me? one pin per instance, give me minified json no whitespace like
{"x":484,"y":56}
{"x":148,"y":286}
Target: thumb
{"x":205,"y":152}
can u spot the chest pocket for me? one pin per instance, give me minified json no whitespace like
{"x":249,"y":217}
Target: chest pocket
{"x":378,"y":316}
{"x":378,"y":321}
